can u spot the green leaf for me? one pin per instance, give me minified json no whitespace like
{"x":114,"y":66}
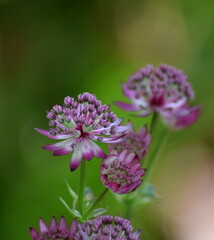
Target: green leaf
{"x":72,"y":193}
{"x":96,"y":212}
{"x":73,"y":212}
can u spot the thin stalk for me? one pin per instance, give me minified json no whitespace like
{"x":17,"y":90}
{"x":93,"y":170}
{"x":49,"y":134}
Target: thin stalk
{"x":81,"y":187}
{"x":129,"y":211}
{"x":153,"y":159}
{"x":153,"y":122}
{"x":152,"y":129}
{"x":92,"y":207}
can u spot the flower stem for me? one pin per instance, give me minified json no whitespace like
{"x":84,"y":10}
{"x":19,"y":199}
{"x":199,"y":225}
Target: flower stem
{"x":92,"y":207}
{"x":153,"y":158}
{"x":152,"y":129}
{"x":81,"y":187}
{"x":129,"y":211}
{"x":153,"y":122}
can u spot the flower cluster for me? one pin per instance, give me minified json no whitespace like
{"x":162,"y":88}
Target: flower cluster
{"x":137,"y":143}
{"x":54,"y":231}
{"x":164,"y":90}
{"x":105,"y":228}
{"x":101,"y":228}
{"x":79,"y":123}
{"x":121,"y":172}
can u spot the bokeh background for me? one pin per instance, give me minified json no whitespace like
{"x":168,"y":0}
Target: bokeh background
{"x":50,"y":49}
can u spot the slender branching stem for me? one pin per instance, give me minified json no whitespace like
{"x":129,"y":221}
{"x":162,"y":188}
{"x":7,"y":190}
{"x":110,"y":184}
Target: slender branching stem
{"x":154,"y":122}
{"x":155,"y":155}
{"x":81,"y":187}
{"x":96,"y":202}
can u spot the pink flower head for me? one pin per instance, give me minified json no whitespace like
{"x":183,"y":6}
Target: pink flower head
{"x":54,"y":231}
{"x":164,"y":90}
{"x":121,"y":173}
{"x":79,"y":124}
{"x":106,"y":228}
{"x":137,"y":143}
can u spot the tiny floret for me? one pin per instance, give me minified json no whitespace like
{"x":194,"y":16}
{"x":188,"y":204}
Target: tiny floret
{"x":54,"y":231}
{"x":121,"y":172}
{"x":106,"y":228}
{"x":80,"y":123}
{"x":137,"y":143}
{"x":164,"y":90}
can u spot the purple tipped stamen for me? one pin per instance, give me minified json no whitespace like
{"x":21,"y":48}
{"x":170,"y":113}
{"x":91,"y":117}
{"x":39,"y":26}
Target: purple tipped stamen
{"x":81,"y":122}
{"x":107,"y":227}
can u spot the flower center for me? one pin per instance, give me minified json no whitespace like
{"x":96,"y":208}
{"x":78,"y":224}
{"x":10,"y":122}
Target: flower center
{"x":82,"y":133}
{"x":157,"y":101}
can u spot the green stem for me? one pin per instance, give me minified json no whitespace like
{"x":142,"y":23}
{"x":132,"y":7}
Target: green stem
{"x":152,"y":129}
{"x":153,"y":122}
{"x":92,"y":207}
{"x":129,"y":211}
{"x":81,"y":187}
{"x":153,"y":159}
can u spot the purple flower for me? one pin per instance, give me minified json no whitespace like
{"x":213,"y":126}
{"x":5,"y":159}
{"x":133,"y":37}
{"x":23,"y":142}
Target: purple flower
{"x":79,"y":124}
{"x":54,"y":231}
{"x":121,"y":173}
{"x":106,"y":228}
{"x":164,"y":90}
{"x":137,"y":143}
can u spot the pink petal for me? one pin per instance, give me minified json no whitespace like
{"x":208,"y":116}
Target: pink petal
{"x":113,"y":139}
{"x":62,"y":224}
{"x":127,"y":106}
{"x":113,"y":186}
{"x":122,"y":155}
{"x":34,"y":234}
{"x":58,"y":136}
{"x":187,"y":119}
{"x":64,"y":150}
{"x":136,"y":234}
{"x":42,"y":226}
{"x":127,"y":92}
{"x":76,"y":157}
{"x":73,"y":228}
{"x":175,"y":105}
{"x":182,"y":117}
{"x":142,"y":131}
{"x":116,"y":123}
{"x":129,"y":158}
{"x":98,"y":152}
{"x":53,"y":224}
{"x":135,"y":185}
{"x":87,"y":149}
{"x":123,"y":190}
{"x":57,"y":146}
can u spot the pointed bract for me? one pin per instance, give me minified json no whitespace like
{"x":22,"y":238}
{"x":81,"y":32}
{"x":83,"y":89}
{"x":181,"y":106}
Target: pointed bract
{"x":34,"y":234}
{"x":54,"y":231}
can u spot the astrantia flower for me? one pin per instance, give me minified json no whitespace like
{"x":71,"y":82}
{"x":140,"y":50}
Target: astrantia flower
{"x":80,"y":123}
{"x":121,"y":173}
{"x":107,"y":228}
{"x":54,"y":231}
{"x":137,"y":143}
{"x":164,"y":90}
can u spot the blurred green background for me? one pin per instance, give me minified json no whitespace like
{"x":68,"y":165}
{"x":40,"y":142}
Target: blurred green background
{"x":51,"y":49}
